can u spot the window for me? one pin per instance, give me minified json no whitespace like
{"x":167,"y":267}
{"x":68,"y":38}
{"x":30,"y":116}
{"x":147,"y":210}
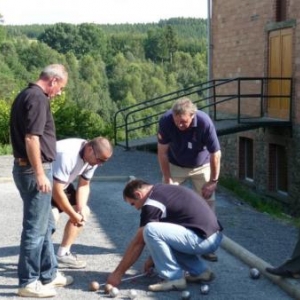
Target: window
{"x":278,"y":175}
{"x":246,"y":159}
{"x":280,"y":10}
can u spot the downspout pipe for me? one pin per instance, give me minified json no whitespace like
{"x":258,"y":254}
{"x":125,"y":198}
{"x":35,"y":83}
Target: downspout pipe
{"x":209,"y":54}
{"x":209,"y":41}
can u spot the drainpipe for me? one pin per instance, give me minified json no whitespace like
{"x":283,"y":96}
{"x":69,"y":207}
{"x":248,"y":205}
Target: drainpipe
{"x":209,"y":55}
{"x":209,"y":66}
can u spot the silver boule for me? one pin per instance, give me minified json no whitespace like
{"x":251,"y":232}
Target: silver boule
{"x":204,"y":289}
{"x":133,"y":294}
{"x":185,"y":295}
{"x":114,"y":292}
{"x":254,"y":273}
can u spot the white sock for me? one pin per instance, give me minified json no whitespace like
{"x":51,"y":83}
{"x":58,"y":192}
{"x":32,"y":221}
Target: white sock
{"x":63,"y":251}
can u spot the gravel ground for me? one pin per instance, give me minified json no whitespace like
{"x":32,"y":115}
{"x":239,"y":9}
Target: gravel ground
{"x":113,"y":223}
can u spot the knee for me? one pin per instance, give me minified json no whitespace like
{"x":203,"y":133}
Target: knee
{"x":149,"y":230}
{"x":86,"y":211}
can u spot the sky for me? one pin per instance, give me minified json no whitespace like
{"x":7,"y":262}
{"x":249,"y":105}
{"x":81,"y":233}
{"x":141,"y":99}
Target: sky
{"x":21,"y":12}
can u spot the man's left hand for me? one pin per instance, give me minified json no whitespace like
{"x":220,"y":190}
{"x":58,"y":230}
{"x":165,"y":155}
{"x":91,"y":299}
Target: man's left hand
{"x":208,"y":189}
{"x":114,"y":279}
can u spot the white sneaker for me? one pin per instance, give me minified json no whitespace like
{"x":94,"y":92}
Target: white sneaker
{"x":35,"y":289}
{"x":168,"y":285}
{"x":60,"y":280}
{"x":70,"y":261}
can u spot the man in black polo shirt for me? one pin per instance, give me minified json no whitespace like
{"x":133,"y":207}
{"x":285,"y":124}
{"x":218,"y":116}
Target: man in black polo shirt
{"x":177,"y":226}
{"x":34,"y":148}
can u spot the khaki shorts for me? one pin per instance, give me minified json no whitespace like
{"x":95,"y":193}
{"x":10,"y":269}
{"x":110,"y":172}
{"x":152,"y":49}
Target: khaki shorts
{"x":198,"y":176}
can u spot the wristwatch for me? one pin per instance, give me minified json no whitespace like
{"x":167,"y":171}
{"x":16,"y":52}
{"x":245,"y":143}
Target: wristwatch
{"x":214,"y":180}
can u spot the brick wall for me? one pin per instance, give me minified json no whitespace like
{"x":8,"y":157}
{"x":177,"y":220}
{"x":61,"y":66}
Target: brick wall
{"x":239,"y":48}
{"x":238,"y":37}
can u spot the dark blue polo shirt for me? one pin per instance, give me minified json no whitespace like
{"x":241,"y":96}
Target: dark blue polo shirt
{"x":179,"y":205}
{"x":192,"y":147}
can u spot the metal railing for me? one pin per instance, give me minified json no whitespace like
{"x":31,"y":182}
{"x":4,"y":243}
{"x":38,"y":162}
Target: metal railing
{"x":222,"y":99}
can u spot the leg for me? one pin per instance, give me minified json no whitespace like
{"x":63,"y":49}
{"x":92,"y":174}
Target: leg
{"x":72,"y":231}
{"x":173,"y":247}
{"x":64,"y":256}
{"x":36,"y":248}
{"x":199,"y":177}
{"x":49,"y":257}
{"x":178,"y":174}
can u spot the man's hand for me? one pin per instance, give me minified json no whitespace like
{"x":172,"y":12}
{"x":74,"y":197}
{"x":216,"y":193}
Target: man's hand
{"x":43,"y":183}
{"x":148,"y":265}
{"x":78,"y":219}
{"x":114,"y":278}
{"x":208,"y":189}
{"x":170,"y":181}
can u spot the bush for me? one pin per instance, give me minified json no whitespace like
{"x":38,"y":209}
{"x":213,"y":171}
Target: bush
{"x":5,"y":149}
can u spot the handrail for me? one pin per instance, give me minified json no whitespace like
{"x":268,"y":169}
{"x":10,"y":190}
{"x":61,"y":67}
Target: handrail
{"x":219,"y":91}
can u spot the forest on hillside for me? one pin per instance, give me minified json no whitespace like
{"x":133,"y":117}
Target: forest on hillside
{"x":110,"y":67}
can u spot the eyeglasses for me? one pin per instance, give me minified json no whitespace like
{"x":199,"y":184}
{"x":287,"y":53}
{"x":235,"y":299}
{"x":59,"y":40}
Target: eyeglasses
{"x":98,"y":159}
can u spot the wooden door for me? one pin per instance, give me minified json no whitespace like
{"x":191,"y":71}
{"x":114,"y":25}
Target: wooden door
{"x":280,"y":65}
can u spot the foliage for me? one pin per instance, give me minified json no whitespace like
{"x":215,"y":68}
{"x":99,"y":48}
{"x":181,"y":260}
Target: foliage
{"x":260,"y":203}
{"x":71,"y":121}
{"x":81,"y":39}
{"x":194,"y":28}
{"x":110,"y":67}
{"x":5,"y":149}
{"x":4,"y":122}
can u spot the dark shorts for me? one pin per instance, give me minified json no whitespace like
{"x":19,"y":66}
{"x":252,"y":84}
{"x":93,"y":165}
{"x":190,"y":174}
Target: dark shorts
{"x":71,"y":194}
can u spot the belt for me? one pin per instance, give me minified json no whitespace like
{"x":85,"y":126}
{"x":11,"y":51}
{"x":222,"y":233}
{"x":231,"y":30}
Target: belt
{"x":23,"y":162}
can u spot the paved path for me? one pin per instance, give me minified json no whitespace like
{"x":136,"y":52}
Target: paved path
{"x":252,"y":238}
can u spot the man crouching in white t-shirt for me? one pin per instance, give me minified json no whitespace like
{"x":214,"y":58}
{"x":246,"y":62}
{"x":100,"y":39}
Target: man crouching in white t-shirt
{"x":75,"y":158}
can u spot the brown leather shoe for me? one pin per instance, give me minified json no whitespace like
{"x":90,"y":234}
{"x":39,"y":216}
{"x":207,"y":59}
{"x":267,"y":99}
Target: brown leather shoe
{"x":210,"y":257}
{"x":205,"y":277}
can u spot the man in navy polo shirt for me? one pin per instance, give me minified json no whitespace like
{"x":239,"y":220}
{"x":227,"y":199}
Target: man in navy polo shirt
{"x":188,"y":148}
{"x":177,"y":226}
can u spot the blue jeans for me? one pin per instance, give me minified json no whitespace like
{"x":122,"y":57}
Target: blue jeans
{"x":175,"y":249}
{"x":37,"y":260}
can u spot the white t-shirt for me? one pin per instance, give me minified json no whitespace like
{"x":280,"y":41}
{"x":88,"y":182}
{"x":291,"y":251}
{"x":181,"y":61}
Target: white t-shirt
{"x":68,"y":163}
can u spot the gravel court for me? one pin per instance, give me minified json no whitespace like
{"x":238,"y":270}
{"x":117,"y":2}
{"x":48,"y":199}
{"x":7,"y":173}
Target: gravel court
{"x":111,"y":226}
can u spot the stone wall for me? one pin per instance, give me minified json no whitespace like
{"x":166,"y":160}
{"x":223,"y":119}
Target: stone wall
{"x":262,"y":138}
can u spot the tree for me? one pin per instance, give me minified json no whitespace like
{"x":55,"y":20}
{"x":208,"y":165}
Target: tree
{"x":93,"y":40}
{"x":183,"y":68}
{"x":38,"y":55}
{"x":155,"y":46}
{"x":62,"y":37}
{"x":80,"y":39}
{"x":171,"y":40}
{"x":2,"y":30}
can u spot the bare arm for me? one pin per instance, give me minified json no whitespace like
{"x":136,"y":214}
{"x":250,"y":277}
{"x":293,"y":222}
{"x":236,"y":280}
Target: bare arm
{"x":162,"y":153}
{"x":210,"y":187}
{"x":33,"y":149}
{"x":62,"y":201}
{"x":131,"y":255}
{"x":215,"y":162}
{"x":82,"y":193}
